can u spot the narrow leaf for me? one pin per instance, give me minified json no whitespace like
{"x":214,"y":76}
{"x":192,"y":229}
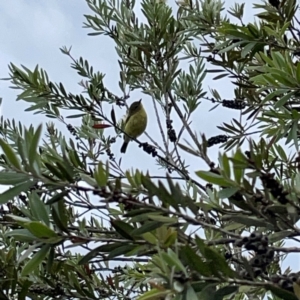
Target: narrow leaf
{"x":124,"y":229}
{"x":10,"y":155}
{"x":34,"y":262}
{"x":15,"y":191}
{"x":33,"y":145}
{"x":40,"y":230}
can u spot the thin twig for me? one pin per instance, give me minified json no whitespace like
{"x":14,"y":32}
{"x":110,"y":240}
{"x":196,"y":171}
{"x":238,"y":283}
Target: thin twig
{"x":160,"y":127}
{"x":286,"y":249}
{"x":179,"y":158}
{"x":189,"y":130}
{"x":154,"y":142}
{"x":121,"y":259}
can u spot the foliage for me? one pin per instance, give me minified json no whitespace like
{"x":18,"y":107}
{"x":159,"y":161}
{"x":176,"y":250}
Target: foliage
{"x":76,"y":225}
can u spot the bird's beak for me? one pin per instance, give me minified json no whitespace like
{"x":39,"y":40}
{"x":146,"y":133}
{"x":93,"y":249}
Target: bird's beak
{"x":140,"y":100}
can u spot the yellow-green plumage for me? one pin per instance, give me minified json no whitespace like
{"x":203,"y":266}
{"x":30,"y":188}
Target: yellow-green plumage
{"x":135,"y":123}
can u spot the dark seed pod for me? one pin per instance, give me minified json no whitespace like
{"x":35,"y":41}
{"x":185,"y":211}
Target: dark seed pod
{"x":239,"y":243}
{"x":275,"y":278}
{"x":251,"y":246}
{"x":255,"y":236}
{"x":216,"y":140}
{"x":234,"y":104}
{"x":257,"y":272}
{"x":264,"y":241}
{"x":228,"y":255}
{"x":274,"y":3}
{"x":270,"y":253}
{"x":261,"y":249}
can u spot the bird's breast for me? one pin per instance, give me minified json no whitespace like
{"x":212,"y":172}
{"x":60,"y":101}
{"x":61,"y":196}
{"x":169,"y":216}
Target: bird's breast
{"x":137,"y":124}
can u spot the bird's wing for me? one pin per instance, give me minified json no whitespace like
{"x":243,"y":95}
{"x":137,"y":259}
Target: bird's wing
{"x":127,"y":119}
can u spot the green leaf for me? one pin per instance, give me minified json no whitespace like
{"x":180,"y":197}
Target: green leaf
{"x":100,"y":175}
{"x":174,"y":257}
{"x":187,"y":149}
{"x":296,"y":288}
{"x":194,"y":261}
{"x":12,"y":178}
{"x":163,"y":219}
{"x":122,"y":250}
{"x":249,"y":221}
{"x":215,"y":178}
{"x":103,"y":248}
{"x":76,"y":116}
{"x":32,"y":153}
{"x":190,"y":294}
{"x":40,"y":230}
{"x":57,"y":197}
{"x":38,"y":208}
{"x":198,"y":286}
{"x":124,"y":229}
{"x":247,"y":49}
{"x":15,"y":191}
{"x":41,"y":104}
{"x":35,"y":261}
{"x":224,"y":291}
{"x":50,"y":259}
{"x":88,"y":179}
{"x":225,"y":165}
{"x":281,"y":151}
{"x":24,"y":290}
{"x":59,"y":222}
{"x":234,"y":226}
{"x":54,"y":170}
{"x":208,"y":292}
{"x":239,"y":159}
{"x":238,"y":173}
{"x":233,"y":45}
{"x":20,"y":220}
{"x":228,"y":192}
{"x":298,"y":73}
{"x":201,"y":245}
{"x":283,"y":294}
{"x":141,"y":212}
{"x":113,"y":116}
{"x":213,"y":256}
{"x":75,"y":160}
{"x":154,"y":294}
{"x":130,"y":179}
{"x":147,"y":227}
{"x":160,"y":191}
{"x":10,"y":155}
{"x":66,"y":170}
{"x":22,"y":235}
{"x":220,"y":77}
{"x":173,"y":261}
{"x":278,"y":236}
{"x":181,"y":199}
{"x":283,"y":100}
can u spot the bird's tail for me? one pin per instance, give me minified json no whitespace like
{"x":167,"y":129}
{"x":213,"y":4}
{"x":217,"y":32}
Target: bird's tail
{"x":124,"y":147}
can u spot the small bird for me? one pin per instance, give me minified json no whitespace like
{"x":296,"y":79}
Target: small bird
{"x":135,"y":124}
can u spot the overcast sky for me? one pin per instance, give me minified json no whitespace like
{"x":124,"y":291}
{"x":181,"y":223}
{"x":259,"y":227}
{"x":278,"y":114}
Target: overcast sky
{"x":32,"y":31}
